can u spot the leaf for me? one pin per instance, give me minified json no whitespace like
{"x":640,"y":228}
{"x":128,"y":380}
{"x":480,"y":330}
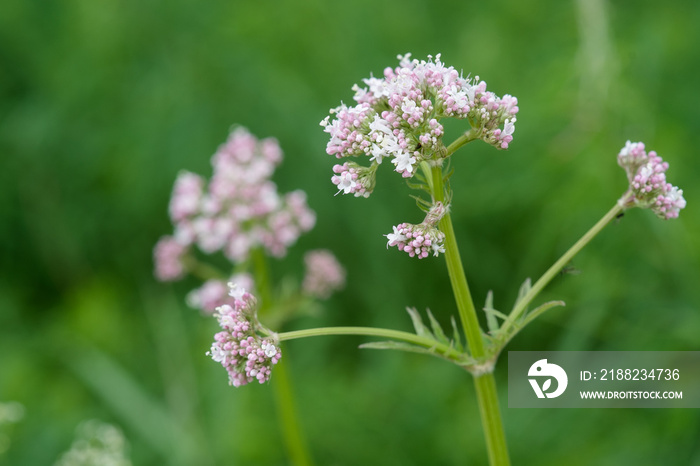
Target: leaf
{"x":456,"y":336}
{"x":491,"y":320}
{"x":128,"y":399}
{"x":546,"y":385}
{"x":438,"y":333}
{"x":524,"y":290}
{"x":397,"y":345}
{"x":538,"y":311}
{"x":421,"y":329}
{"x":421,"y":203}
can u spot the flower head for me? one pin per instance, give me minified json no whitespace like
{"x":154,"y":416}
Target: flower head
{"x":423,"y":239}
{"x":397,"y":117}
{"x":239,"y":347}
{"x":237,"y":211}
{"x":648,"y":188}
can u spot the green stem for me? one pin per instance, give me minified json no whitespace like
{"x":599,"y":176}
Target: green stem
{"x":544,"y":280}
{"x":458,"y":280}
{"x":297,"y":449}
{"x":262,"y":280}
{"x":468,"y":136}
{"x":429,"y":343}
{"x":484,"y":384}
{"x":286,"y":408}
{"x":490,"y":411}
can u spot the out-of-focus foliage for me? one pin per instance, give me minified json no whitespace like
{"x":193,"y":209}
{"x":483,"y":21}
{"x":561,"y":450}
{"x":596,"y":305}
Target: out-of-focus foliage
{"x":103,"y":102}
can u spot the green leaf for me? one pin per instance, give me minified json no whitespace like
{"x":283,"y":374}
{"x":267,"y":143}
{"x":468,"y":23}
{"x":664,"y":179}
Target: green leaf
{"x":398,"y":345}
{"x":456,"y":336}
{"x":524,"y":290}
{"x":438,"y":333}
{"x":538,"y":311}
{"x":133,"y":405}
{"x":491,"y":320}
{"x":421,"y":329}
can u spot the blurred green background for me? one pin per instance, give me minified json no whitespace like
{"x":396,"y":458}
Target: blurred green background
{"x":103,"y":102}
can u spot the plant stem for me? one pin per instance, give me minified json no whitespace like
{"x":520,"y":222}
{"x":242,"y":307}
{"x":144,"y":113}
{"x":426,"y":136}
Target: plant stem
{"x":484,"y":384}
{"x":558,"y":265}
{"x":286,"y":408}
{"x":462,"y":140}
{"x":458,"y":280}
{"x":297,"y":449}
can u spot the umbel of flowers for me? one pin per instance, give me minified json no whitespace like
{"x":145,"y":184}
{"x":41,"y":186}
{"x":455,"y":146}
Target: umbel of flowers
{"x":238,"y":211}
{"x":398,"y":118}
{"x":648,"y":188}
{"x":420,"y":240}
{"x":239,"y":347}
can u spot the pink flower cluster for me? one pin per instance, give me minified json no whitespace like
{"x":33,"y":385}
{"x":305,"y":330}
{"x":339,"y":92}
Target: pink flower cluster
{"x":245,"y":355}
{"x":420,"y":240}
{"x":646,"y":173}
{"x":167,"y":256}
{"x":238,"y":211}
{"x":397,"y":117}
{"x":353,"y":178}
{"x":324,"y":274}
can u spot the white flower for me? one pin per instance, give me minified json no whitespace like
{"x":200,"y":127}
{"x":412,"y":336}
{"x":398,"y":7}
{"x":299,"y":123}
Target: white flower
{"x":460,"y":97}
{"x":377,"y":153}
{"x":217,"y":353}
{"x":395,"y":237}
{"x":346,"y":184}
{"x":378,"y":87}
{"x":379,"y":125}
{"x":409,"y":106}
{"x":437,"y":248}
{"x":236,"y":291}
{"x":404,"y":162}
{"x":269,"y":349}
{"x":508,"y":127}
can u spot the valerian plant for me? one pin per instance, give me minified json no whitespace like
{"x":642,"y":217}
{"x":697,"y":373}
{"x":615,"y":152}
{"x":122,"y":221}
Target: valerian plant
{"x":239,"y":214}
{"x":397,"y":121}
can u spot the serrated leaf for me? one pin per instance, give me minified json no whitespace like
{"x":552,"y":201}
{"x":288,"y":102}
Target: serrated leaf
{"x":418,"y":325}
{"x":397,"y":345}
{"x":456,"y":336}
{"x":438,"y":333}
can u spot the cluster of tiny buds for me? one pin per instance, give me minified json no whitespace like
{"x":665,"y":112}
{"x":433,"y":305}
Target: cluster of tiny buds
{"x":167,"y":256}
{"x":239,"y":348}
{"x":422,"y":239}
{"x":648,"y":188}
{"x":351,"y":178}
{"x":324,"y":274}
{"x":398,"y":117}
